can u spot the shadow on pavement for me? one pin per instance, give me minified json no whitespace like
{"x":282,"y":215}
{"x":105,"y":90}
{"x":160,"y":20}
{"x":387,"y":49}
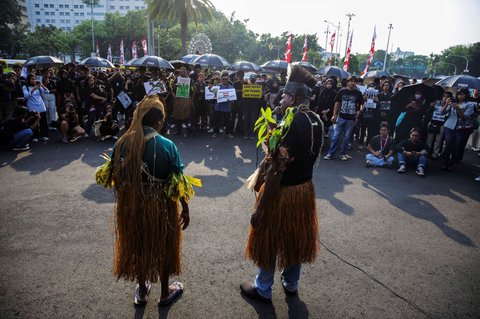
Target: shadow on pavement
{"x":296,"y":307}
{"x":98,"y":194}
{"x":264,"y":311}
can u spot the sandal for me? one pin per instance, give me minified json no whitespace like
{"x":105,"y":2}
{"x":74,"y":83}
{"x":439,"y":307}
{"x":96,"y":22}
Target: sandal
{"x":139,"y":300}
{"x":174,"y":290}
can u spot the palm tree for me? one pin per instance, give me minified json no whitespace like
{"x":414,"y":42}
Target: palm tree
{"x":182,"y":10}
{"x":92,"y":3}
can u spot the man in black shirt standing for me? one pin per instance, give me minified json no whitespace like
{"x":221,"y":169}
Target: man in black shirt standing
{"x":347,"y":109}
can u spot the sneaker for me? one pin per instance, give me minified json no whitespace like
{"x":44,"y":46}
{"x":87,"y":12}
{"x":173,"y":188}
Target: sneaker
{"x":344,"y":157}
{"x":369,"y":164}
{"x":21,"y":148}
{"x":139,"y":301}
{"x":64,"y":140}
{"x":44,"y":139}
{"x":102,"y":138}
{"x":230,"y":136}
{"x":86,"y":135}
{"x":361,"y":147}
{"x":420,"y":171}
{"x":475,"y":149}
{"x":214,"y":135}
{"x":402,"y":169}
{"x":328,"y":157}
{"x":35,"y":140}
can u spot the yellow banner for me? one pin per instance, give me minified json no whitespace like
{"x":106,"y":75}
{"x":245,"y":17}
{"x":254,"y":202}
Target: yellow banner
{"x":252,"y":91}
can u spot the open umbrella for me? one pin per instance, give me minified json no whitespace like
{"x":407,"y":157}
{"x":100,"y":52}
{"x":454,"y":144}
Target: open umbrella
{"x":307,"y":66}
{"x":43,"y":60}
{"x":189,"y":58}
{"x":372,"y":75}
{"x":405,"y":79}
{"x":333,"y":71}
{"x":130,"y":62}
{"x":153,"y":62}
{"x":458,"y":81}
{"x":177,"y":64}
{"x":96,"y":62}
{"x":211,"y":60}
{"x":276,"y":65}
{"x":404,"y":96}
{"x":245,"y":66}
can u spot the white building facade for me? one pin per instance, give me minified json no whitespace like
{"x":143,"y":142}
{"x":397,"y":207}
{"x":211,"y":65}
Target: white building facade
{"x":66,"y":14}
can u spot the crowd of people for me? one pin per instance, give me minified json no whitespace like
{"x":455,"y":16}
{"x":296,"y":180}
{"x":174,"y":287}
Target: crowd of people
{"x":78,"y":101}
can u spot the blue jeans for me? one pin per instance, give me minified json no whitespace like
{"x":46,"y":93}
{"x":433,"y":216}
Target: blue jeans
{"x":341,"y":131}
{"x":420,"y":161}
{"x":21,"y":138}
{"x":379,"y":162}
{"x":264,"y":280}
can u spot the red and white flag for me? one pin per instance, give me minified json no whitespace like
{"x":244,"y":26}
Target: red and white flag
{"x":332,"y":42}
{"x":97,"y":52}
{"x":347,"y":58}
{"x":109,"y":53}
{"x":288,"y":52}
{"x":122,"y":54}
{"x":134,"y":50}
{"x":144,"y":47}
{"x":305,"y":48}
{"x":372,"y":51}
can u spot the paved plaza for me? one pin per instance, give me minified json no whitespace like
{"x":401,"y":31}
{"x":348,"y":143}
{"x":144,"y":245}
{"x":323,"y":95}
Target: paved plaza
{"x":393,"y":246}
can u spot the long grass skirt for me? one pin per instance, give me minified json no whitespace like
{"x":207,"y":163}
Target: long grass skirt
{"x":289,"y":230}
{"x":147,"y":235}
{"x":182,"y":108}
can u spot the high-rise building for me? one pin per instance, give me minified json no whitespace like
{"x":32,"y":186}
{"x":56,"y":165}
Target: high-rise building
{"x":23,"y":8}
{"x":66,"y":14}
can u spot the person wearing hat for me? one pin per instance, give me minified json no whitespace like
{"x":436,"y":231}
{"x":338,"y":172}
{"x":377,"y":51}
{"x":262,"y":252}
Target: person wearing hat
{"x":347,"y":110}
{"x":284,"y":226}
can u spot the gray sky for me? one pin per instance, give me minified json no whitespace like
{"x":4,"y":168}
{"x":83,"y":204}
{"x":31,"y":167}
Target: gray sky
{"x":421,"y":26}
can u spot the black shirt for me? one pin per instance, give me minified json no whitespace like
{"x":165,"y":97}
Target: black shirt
{"x":298,"y":142}
{"x":408,"y":146}
{"x":350,"y":102}
{"x":377,"y":144}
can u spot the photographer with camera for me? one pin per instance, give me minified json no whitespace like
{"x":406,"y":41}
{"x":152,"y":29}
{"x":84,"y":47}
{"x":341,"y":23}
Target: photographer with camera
{"x":19,"y":129}
{"x":32,"y":91}
{"x":70,"y":124}
{"x":96,"y":95}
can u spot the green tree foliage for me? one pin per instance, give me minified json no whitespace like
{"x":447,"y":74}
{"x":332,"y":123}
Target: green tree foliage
{"x":11,"y":31}
{"x":45,"y":40}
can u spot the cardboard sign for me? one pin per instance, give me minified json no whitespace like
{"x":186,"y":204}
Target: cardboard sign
{"x":124,"y":99}
{"x":183,"y":87}
{"x":211,"y":92}
{"x":226,"y":95}
{"x":437,"y":114}
{"x":371,"y":93}
{"x":154,"y":87}
{"x":252,"y":91}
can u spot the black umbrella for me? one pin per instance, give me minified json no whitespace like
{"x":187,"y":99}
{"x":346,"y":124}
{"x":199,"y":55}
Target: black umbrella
{"x":458,"y":81}
{"x":96,"y":62}
{"x":307,"y":66}
{"x":211,"y":60}
{"x":130,"y":62}
{"x":275,"y":65}
{"x":244,"y":66}
{"x":189,"y":58}
{"x":177,"y":64}
{"x":153,"y":62}
{"x":405,"y":79}
{"x":371,"y":75}
{"x":44,"y":60}
{"x":333,"y":71}
{"x":405,"y":95}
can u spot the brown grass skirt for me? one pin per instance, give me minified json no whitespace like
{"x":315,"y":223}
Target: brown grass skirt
{"x":147,"y":235}
{"x":181,"y":108}
{"x":289,"y":230}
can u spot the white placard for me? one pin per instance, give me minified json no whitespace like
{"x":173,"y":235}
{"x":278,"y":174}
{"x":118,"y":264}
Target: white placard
{"x":124,"y":99}
{"x":362,"y":88}
{"x":154,"y":87}
{"x":226,"y":95}
{"x":437,"y":114}
{"x":211,"y":92}
{"x":370,"y":104}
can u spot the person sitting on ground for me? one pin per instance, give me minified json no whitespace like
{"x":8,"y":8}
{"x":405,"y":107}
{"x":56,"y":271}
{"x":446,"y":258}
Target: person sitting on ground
{"x":69,"y":124}
{"x":380,"y":148}
{"x":413,"y":152}
{"x":19,"y":129}
{"x":108,"y":125}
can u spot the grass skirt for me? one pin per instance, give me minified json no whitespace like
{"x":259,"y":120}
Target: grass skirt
{"x":148,"y":236}
{"x":289,"y":230}
{"x":182,"y":108}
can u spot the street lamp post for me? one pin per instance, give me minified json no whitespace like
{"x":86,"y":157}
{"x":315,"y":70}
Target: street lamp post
{"x":466,"y":62}
{"x":390,"y":27}
{"x":326,"y":40}
{"x":349,"y":15}
{"x":455,"y":68}
{"x":336,"y":35}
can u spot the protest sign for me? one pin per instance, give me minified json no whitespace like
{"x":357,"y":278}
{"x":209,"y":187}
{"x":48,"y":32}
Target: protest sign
{"x":124,"y":99}
{"x":211,"y":92}
{"x":183,"y":88}
{"x":154,"y":87}
{"x":226,"y":95}
{"x":252,"y":91}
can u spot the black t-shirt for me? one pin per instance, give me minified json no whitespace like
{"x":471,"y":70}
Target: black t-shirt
{"x":377,"y":144}
{"x":350,"y":102}
{"x":65,"y":86}
{"x":13,"y":126}
{"x":299,"y":145}
{"x":409,"y":146}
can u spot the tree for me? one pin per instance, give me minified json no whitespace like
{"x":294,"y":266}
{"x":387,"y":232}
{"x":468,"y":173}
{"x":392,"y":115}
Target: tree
{"x":45,"y":40}
{"x":9,"y":27}
{"x":180,"y":10}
